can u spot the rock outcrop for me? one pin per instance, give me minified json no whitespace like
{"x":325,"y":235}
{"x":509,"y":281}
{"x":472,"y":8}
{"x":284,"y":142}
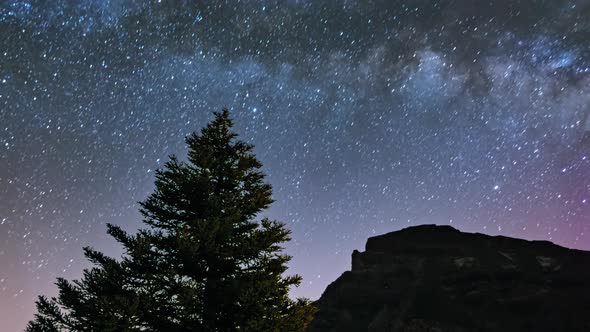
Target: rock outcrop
{"x":438,"y":279}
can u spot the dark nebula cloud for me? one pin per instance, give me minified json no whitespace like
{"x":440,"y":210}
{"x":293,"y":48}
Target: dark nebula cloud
{"x":369,"y":116}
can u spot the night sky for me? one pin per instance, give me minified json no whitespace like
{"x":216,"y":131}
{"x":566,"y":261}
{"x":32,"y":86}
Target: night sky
{"x":369,"y":116}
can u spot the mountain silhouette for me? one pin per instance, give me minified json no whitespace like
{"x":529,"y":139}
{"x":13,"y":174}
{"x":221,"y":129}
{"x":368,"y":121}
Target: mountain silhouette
{"x":437,"y":279}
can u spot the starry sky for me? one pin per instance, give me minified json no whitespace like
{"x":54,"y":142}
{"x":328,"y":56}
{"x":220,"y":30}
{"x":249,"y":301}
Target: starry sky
{"x":369,"y":116}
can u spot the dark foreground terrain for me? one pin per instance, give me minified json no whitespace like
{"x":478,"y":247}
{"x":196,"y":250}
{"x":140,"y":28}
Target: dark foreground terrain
{"x":436,"y":278}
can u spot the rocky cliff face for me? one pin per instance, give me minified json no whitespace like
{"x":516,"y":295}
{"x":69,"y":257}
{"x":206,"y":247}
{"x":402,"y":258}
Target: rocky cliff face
{"x":435,"y":278}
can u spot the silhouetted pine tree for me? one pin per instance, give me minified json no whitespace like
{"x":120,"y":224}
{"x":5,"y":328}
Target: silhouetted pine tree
{"x":204,"y":263}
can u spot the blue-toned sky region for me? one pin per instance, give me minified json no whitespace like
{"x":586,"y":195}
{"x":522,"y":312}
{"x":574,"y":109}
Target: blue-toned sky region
{"x":369,"y":116}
